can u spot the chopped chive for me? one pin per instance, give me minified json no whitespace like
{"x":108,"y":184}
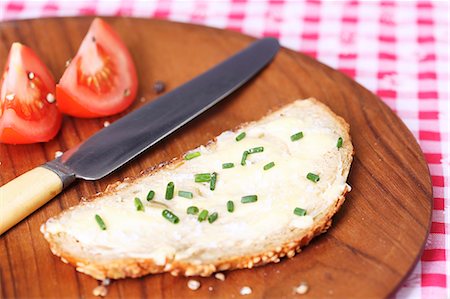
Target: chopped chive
{"x":150,"y":195}
{"x":193,"y":210}
{"x":202,"y":177}
{"x":339,"y":142}
{"x":169,"y":190}
{"x":249,"y":198}
{"x":299,"y":212}
{"x":227,"y":165}
{"x":185,"y":194}
{"x":240,"y":136}
{"x":297,"y":136}
{"x":313,"y":177}
{"x":213,"y":217}
{"x":258,"y":149}
{"x":170,"y":216}
{"x":244,"y":157}
{"x":192,"y":155}
{"x":230,"y":206}
{"x":212,"y":183}
{"x":245,"y":154}
{"x":138,"y":204}
{"x":100,"y":222}
{"x":203,"y":215}
{"x":269,"y":166}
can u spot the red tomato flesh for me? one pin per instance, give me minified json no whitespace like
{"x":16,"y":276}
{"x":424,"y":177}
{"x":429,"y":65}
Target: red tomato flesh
{"x":28,"y":112}
{"x":101,"y":79}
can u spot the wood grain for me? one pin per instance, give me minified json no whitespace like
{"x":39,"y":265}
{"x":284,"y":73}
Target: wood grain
{"x":376,"y":238}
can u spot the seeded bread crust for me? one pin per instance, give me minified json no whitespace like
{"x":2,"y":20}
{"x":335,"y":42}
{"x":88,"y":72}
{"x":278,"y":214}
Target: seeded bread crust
{"x":61,"y":244}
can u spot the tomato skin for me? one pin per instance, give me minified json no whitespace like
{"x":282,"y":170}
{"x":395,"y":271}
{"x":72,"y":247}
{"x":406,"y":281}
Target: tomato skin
{"x":66,"y":103}
{"x":11,"y":136}
{"x":101,"y":79}
{"x":27,"y":117}
{"x":25,"y":132}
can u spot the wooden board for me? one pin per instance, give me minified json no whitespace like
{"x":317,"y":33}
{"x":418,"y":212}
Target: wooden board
{"x":376,"y":238}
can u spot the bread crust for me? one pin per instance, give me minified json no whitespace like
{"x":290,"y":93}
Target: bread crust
{"x":134,"y":267}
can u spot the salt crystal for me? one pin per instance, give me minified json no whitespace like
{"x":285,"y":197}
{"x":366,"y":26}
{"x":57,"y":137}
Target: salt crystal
{"x":50,"y":98}
{"x":10,"y":96}
{"x":245,"y":291}
{"x":106,"y":282}
{"x":193,"y":284}
{"x":100,"y":291}
{"x":220,"y":276}
{"x":302,"y":288}
{"x":58,"y":154}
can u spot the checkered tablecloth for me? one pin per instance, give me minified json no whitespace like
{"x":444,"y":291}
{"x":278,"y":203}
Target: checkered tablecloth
{"x":397,"y":49}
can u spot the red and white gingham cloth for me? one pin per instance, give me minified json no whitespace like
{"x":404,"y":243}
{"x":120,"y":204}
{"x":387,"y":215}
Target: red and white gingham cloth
{"x":397,"y":49}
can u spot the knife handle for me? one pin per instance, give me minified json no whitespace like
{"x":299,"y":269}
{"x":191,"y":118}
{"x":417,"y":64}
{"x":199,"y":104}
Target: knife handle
{"x":25,"y":194}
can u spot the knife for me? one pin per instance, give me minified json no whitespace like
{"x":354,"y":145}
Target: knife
{"x":123,"y":140}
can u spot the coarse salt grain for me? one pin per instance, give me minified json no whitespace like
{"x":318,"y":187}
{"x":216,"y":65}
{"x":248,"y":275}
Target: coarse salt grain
{"x":58,"y":154}
{"x":100,"y":291}
{"x":245,"y":291}
{"x":193,"y":284}
{"x":302,"y":288}
{"x":106,"y":282}
{"x":220,"y":276}
{"x":210,"y":289}
{"x":106,"y":123}
{"x":10,"y":96}
{"x":50,"y":98}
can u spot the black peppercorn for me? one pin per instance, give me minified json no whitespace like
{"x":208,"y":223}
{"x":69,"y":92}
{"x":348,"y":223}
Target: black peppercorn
{"x":159,"y":87}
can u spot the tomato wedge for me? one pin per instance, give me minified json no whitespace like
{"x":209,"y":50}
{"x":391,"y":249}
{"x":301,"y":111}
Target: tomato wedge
{"x":28,"y":112}
{"x":101,"y":79}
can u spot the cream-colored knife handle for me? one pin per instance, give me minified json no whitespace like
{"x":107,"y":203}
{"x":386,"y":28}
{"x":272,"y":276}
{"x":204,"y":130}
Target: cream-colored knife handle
{"x":25,"y":194}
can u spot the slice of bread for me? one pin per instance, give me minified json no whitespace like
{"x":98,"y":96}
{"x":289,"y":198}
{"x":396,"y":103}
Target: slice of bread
{"x":138,"y":240}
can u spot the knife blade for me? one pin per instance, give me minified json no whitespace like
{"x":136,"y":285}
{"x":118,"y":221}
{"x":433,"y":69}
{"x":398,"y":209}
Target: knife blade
{"x":117,"y":144}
